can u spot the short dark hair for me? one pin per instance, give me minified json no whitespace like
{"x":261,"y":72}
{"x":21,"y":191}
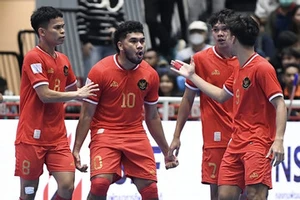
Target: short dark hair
{"x":296,"y":65}
{"x":42,"y":16}
{"x":220,"y":16}
{"x":124,"y":28}
{"x":244,"y":28}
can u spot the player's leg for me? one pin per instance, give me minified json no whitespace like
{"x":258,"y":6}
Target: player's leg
{"x":257,"y":175}
{"x":147,"y":188}
{"x":231,"y":177}
{"x":105,"y":163}
{"x":211,"y":160}
{"x":60,"y":164}
{"x":65,"y":185}
{"x":257,"y":192}
{"x":28,"y":189}
{"x":99,"y":186}
{"x":139,"y":164}
{"x":29,"y":167}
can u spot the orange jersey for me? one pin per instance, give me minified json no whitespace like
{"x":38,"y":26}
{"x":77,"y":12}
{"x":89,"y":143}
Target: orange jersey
{"x":216,"y":118}
{"x":43,"y":123}
{"x":122,"y":95}
{"x":253,"y":86}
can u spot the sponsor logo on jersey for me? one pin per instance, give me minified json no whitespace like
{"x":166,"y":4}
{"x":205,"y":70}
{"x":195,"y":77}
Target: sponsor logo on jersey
{"x":114,"y":84}
{"x":215,"y":72}
{"x":50,"y":71}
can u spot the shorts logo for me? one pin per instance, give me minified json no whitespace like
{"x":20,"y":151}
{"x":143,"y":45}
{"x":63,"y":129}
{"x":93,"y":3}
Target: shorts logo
{"x":253,"y":175}
{"x":246,"y":83}
{"x":66,"y":70}
{"x":142,"y":84}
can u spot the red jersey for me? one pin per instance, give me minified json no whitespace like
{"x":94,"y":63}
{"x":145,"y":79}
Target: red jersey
{"x":122,"y":95}
{"x":216,"y":118}
{"x":43,"y":123}
{"x":253,"y":86}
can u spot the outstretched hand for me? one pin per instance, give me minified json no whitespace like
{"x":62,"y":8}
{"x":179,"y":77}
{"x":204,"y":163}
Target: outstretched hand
{"x":182,"y":68}
{"x":77,"y":161}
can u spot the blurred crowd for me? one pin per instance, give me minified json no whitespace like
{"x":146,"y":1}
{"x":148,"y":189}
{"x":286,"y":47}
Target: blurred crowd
{"x":278,"y":41}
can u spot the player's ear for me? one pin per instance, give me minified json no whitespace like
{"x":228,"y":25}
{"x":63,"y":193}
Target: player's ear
{"x":120,"y":45}
{"x":41,"y":31}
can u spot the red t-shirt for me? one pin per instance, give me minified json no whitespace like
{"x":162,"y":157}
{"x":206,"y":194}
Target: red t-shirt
{"x":122,"y":95}
{"x":216,"y":118}
{"x":253,"y":86}
{"x":43,"y":123}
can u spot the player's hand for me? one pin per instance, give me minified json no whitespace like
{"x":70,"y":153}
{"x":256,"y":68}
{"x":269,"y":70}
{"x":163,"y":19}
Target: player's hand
{"x":182,"y":68}
{"x":171,"y":161}
{"x":175,"y":146}
{"x":77,"y":161}
{"x":88,"y":90}
{"x":1,"y":98}
{"x":277,"y":152}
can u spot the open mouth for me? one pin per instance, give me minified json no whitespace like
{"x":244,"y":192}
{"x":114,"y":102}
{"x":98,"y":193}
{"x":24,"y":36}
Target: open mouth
{"x":140,"y":54}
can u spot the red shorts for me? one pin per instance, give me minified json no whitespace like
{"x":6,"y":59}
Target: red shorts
{"x":244,"y":169}
{"x":30,"y":160}
{"x":134,"y":152}
{"x":211,"y":160}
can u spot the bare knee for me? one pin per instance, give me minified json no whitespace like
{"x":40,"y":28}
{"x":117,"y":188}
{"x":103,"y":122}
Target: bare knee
{"x":257,"y":192}
{"x":252,"y":195}
{"x":66,"y":189}
{"x":227,"y":192}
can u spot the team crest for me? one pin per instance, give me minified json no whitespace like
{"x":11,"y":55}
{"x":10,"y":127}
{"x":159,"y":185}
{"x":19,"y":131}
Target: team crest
{"x":142,"y":84}
{"x":246,"y":83}
{"x":66,"y":70}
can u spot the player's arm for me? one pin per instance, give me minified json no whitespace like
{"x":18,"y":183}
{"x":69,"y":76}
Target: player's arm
{"x":183,"y":114}
{"x":1,"y":98}
{"x":188,"y":71}
{"x":86,"y":116}
{"x":47,"y":95}
{"x":281,"y":117}
{"x":155,"y":128}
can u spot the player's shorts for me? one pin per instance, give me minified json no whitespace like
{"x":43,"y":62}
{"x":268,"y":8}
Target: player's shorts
{"x":30,"y":160}
{"x":110,"y":152}
{"x":244,"y":169}
{"x":211,"y":160}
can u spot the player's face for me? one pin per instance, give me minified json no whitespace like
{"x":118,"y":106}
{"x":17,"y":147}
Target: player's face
{"x":220,"y":34}
{"x":133,"y":47}
{"x":55,"y":32}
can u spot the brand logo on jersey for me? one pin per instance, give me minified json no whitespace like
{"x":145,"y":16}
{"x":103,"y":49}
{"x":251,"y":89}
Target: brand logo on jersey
{"x":142,"y":84}
{"x":246,"y":83}
{"x":114,"y":84}
{"x":50,"y":71}
{"x":66,"y":70}
{"x":215,"y":72}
